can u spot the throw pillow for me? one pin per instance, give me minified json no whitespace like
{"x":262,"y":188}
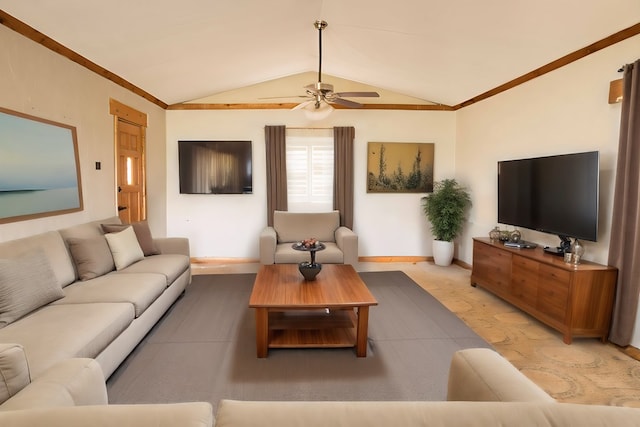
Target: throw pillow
{"x":143,"y":234}
{"x":124,"y":247}
{"x":92,"y":256}
{"x":27,"y":282}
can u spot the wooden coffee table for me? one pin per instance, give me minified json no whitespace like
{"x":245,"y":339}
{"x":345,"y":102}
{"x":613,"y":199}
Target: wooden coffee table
{"x":331,"y":311}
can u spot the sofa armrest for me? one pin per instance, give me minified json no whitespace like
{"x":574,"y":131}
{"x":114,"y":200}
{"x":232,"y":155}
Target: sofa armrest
{"x":347,"y":241}
{"x":70,"y":382}
{"x":268,"y":242}
{"x":192,"y":414}
{"x":482,"y":375}
{"x":14,"y":370}
{"x":173,"y":245}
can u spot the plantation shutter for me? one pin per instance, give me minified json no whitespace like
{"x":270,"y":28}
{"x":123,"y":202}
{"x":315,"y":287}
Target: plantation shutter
{"x":310,"y":174}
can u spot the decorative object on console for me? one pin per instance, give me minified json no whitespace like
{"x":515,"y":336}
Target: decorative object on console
{"x":494,"y":234}
{"x":577,"y":250}
{"x":515,"y":236}
{"x":445,"y":209}
{"x":309,"y":270}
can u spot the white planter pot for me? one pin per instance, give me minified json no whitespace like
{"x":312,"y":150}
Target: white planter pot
{"x":442,"y":252}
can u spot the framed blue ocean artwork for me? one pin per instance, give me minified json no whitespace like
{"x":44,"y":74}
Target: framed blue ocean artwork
{"x":39,"y":168}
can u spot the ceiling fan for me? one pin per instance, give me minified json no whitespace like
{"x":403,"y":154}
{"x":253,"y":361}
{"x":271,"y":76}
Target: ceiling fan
{"x":320,"y":92}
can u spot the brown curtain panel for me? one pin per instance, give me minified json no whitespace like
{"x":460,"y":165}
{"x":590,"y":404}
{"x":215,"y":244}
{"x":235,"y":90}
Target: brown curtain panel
{"x":624,"y":246}
{"x":276,"y":152}
{"x":343,"y":173}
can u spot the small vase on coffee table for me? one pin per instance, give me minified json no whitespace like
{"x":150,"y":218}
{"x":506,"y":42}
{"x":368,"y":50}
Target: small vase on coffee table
{"x":309,"y":270}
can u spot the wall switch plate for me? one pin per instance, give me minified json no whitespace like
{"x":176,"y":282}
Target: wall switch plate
{"x":98,"y":166}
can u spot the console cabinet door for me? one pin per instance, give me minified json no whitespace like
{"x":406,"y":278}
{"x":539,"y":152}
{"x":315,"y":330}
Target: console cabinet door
{"x":553,"y":292}
{"x":524,"y":281}
{"x":492,"y":268}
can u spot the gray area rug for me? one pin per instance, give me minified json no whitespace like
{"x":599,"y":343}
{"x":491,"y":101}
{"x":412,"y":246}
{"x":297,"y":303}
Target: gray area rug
{"x":204,"y":350}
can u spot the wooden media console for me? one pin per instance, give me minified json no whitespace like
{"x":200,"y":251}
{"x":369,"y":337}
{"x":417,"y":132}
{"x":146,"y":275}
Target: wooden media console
{"x":576,"y":300}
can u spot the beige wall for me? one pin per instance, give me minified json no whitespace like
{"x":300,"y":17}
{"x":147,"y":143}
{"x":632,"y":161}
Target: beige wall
{"x":228,"y":225}
{"x":564,"y":111}
{"x":561,"y":112}
{"x":37,"y":81}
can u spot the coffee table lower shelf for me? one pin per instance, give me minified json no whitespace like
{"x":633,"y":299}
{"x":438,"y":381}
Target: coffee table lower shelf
{"x":312,"y":329}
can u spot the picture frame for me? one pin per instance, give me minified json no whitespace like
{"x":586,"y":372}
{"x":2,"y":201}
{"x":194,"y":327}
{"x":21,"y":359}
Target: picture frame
{"x":39,"y":168}
{"x":400,"y":167}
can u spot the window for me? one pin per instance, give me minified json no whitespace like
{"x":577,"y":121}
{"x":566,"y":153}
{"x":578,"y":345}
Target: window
{"x":310,"y":174}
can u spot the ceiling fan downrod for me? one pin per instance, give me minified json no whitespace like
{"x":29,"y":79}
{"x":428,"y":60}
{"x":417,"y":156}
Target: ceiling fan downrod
{"x":320,"y":25}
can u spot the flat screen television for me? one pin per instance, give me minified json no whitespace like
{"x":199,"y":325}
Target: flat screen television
{"x":215,"y":167}
{"x":553,"y":194}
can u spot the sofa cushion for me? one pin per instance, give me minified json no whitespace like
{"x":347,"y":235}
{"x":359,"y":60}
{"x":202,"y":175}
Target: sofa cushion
{"x":14,"y":370}
{"x":91,"y":256}
{"x":53,"y":245}
{"x":124,"y":247}
{"x":143,"y":234}
{"x":27,"y":282}
{"x":188,"y":414}
{"x":295,"y":226}
{"x":450,"y":414}
{"x":139,"y":289}
{"x":64,"y":331}
{"x":169,"y":265}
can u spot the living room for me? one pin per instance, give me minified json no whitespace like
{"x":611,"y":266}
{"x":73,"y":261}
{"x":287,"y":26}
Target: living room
{"x":563,"y":111}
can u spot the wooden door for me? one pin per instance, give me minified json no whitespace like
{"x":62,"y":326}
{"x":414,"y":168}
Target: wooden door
{"x":130,"y":171}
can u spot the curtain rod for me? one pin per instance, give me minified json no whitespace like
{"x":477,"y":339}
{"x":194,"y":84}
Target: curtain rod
{"x":305,"y":128}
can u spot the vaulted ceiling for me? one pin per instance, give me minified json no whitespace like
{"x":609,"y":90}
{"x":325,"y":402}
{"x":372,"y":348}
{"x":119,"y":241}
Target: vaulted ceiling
{"x":412,"y":51}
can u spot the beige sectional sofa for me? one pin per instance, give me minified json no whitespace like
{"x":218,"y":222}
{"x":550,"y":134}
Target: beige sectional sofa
{"x":484,"y":390}
{"x":291,"y":227}
{"x":102,"y":317}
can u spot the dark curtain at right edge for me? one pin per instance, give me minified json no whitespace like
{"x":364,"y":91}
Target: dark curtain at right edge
{"x":343,"y":173}
{"x":624,"y":246}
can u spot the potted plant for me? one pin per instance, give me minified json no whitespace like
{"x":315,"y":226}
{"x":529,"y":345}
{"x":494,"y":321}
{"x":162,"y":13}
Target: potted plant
{"x":445,"y":209}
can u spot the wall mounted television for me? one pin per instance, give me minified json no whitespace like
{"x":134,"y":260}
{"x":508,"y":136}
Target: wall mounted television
{"x":215,"y":167}
{"x":554,"y":194}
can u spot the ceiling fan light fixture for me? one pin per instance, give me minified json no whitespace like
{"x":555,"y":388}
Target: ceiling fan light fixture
{"x":317,"y":110}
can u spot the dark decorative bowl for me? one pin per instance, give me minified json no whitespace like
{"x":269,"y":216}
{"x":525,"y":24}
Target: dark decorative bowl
{"x":309,"y":271}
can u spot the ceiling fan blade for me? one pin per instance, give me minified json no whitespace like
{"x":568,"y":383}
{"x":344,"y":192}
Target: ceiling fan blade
{"x":359,"y":94}
{"x":279,"y":97}
{"x":303,"y":104}
{"x":347,"y":103}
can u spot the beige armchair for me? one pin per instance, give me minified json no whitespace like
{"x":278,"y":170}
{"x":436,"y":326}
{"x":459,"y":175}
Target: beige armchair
{"x":290,"y":227}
